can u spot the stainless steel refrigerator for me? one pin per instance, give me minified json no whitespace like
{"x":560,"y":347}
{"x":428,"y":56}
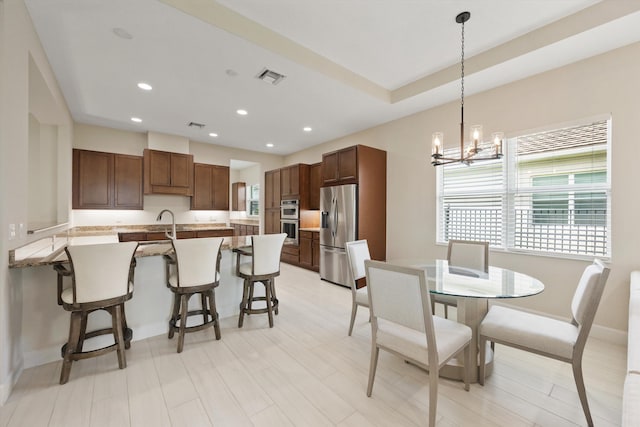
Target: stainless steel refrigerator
{"x":338,"y":225}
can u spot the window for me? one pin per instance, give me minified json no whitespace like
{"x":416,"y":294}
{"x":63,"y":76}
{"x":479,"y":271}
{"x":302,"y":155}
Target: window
{"x":253,"y":198}
{"x":550,"y":193}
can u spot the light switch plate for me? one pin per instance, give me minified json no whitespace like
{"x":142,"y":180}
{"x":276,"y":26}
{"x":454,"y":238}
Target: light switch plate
{"x":12,"y":231}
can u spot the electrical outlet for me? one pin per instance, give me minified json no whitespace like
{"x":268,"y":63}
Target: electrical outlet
{"x":12,"y":231}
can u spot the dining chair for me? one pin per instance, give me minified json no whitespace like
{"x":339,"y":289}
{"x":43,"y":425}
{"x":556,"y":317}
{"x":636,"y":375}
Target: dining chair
{"x":194,"y":269}
{"x":101,"y":279}
{"x":557,"y":339}
{"x":357,"y":254}
{"x":264,"y":268}
{"x":466,"y":254}
{"x":403,"y":324}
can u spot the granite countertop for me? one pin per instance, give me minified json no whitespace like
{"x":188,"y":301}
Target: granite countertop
{"x":317,"y":229}
{"x":255,"y":222}
{"x":50,"y":250}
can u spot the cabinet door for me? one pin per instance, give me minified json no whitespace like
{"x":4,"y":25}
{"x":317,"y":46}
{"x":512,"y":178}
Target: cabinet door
{"x":348,"y":163}
{"x":203,"y":187}
{"x":315,"y":250}
{"x":272,"y":221}
{"x":92,"y":180}
{"x":159,"y":168}
{"x":220,"y":188}
{"x":285,"y":183}
{"x":127,"y":182}
{"x":238,"y":196}
{"x":315,"y":177}
{"x":330,"y":168}
{"x":272,"y":189}
{"x":306,"y":256}
{"x":181,"y":170}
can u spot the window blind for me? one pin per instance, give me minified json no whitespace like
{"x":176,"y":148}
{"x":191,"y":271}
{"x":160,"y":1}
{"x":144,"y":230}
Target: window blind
{"x":550,"y":193}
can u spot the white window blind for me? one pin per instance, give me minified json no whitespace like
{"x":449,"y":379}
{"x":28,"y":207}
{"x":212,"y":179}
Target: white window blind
{"x":550,"y":193}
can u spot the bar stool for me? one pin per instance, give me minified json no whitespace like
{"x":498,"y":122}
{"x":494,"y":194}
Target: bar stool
{"x":263,"y":268}
{"x":197,"y":267}
{"x":101,"y":279}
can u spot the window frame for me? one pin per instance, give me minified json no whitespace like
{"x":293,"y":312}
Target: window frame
{"x":511,"y":190}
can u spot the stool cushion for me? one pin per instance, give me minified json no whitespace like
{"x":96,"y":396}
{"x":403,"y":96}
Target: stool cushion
{"x":67,"y":294}
{"x":362,"y":296}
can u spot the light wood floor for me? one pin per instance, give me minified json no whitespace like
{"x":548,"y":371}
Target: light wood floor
{"x":305,"y":371}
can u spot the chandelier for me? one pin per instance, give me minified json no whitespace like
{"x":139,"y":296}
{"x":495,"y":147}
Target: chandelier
{"x":469,"y":155}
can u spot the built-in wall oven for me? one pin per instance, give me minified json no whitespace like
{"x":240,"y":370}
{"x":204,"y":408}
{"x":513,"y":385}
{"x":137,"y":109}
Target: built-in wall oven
{"x":290,"y":227}
{"x":289,"y":209}
{"x":290,"y":219}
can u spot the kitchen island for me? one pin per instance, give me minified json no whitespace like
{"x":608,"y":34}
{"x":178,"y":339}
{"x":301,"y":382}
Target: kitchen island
{"x":45,"y":325}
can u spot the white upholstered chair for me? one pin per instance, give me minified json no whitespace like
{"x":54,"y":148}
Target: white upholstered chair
{"x":549,"y":337}
{"x":193,"y":270}
{"x":101,"y":279}
{"x":357,"y":254}
{"x":402,"y":323}
{"x":264,"y":268}
{"x":466,"y":254}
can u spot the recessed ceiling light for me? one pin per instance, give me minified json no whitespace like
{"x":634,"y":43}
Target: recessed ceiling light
{"x":270,"y":145}
{"x":242,"y":112}
{"x":307,"y":129}
{"x":136,"y":119}
{"x":144,"y":86}
{"x":213,"y":135}
{"x":122,"y":33}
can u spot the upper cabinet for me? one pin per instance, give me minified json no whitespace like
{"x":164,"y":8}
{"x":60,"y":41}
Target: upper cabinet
{"x":239,"y":196}
{"x":106,"y":181}
{"x":294,"y":184}
{"x":340,"y":167}
{"x":211,"y":187}
{"x":168,"y":173}
{"x":315,"y":180}
{"x":272,"y":189}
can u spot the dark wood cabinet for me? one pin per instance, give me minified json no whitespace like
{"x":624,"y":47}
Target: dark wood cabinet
{"x":305,"y":245}
{"x":290,"y":254}
{"x":315,"y":181}
{"x":340,"y":167}
{"x":106,"y":180}
{"x":272,"y":221}
{"x":211,"y":187}
{"x":272,"y":202}
{"x":238,"y":196}
{"x":315,"y":251}
{"x":168,"y":173}
{"x":161,"y":235}
{"x":272,"y":189}
{"x":294,"y":184}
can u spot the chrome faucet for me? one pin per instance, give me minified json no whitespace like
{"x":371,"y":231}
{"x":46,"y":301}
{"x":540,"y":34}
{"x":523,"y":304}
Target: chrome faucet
{"x":173,"y":223}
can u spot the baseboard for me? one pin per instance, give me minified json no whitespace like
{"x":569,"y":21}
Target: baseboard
{"x":6,"y":388}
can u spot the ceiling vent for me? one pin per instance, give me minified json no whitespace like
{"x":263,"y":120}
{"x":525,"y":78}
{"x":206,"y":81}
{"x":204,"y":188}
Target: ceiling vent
{"x":270,"y":76}
{"x":195,"y":125}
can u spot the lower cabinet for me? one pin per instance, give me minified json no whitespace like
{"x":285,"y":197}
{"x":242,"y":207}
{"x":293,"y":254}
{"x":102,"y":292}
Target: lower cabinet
{"x":307,"y":254}
{"x":245,"y":229}
{"x":139,"y":236}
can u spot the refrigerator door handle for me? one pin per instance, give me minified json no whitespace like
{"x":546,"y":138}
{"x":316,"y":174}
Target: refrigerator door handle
{"x":335,"y":217}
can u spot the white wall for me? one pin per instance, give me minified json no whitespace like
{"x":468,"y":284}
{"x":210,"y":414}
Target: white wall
{"x":601,"y":85}
{"x":19,"y":42}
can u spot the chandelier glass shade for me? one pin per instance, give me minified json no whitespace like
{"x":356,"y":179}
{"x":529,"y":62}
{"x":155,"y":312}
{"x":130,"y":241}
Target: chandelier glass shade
{"x":475,"y":148}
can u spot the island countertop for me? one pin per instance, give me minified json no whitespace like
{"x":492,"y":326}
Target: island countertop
{"x":50,"y":250}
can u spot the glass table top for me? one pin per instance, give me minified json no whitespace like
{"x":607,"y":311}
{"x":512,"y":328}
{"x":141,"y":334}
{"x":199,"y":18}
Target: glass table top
{"x":464,"y":282}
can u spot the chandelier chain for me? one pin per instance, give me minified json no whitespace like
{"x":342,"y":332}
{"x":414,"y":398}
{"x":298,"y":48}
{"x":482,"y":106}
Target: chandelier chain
{"x":462,"y":68}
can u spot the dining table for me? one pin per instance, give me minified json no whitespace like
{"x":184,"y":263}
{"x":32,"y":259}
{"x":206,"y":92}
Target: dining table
{"x":473,"y":290}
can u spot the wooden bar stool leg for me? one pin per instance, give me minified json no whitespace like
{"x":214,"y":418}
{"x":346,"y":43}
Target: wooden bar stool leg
{"x":183,"y":320}
{"x":267,"y":291}
{"x":205,"y":311}
{"x":83,"y":330}
{"x":214,"y":313}
{"x":243,"y":304}
{"x":72,"y":343}
{"x":116,"y":324}
{"x":125,"y":328}
{"x":174,"y":314}
{"x":272,"y":282}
